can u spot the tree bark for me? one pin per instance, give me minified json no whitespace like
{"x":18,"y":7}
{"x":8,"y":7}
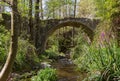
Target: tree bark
{"x":13,"y":45}
{"x":36,"y":22}
{"x":41,"y":6}
{"x":74,"y":17}
{"x":31,"y":39}
{"x":75,"y":8}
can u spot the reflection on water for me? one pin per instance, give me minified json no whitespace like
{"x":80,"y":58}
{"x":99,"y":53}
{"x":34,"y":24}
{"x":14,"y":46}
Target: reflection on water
{"x":66,"y":71}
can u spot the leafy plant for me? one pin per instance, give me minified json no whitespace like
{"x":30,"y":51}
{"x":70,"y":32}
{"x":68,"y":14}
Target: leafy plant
{"x":103,"y":59}
{"x":80,"y":50}
{"x":105,"y":8}
{"x":103,"y":54}
{"x":47,"y":74}
{"x":4,"y":43}
{"x":52,"y":50}
{"x":26,"y":55}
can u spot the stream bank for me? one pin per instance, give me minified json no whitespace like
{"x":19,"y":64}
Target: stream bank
{"x":66,"y":71}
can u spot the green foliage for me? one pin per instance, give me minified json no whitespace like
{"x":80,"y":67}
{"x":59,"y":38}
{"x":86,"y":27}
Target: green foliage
{"x":4,"y":43}
{"x":23,"y":7}
{"x":103,"y":59}
{"x":47,"y":74}
{"x":80,"y":51}
{"x":105,"y":8}
{"x":51,"y":6}
{"x":102,"y":56}
{"x":86,"y":9}
{"x":26,"y":52}
{"x":94,"y":77}
{"x":26,"y":55}
{"x":52,"y":51}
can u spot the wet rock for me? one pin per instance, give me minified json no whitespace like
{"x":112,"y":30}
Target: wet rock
{"x":45,"y":65}
{"x":65,"y":61}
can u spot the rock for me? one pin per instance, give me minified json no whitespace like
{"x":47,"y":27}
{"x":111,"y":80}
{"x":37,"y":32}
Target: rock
{"x":66,"y":61}
{"x":45,"y":65}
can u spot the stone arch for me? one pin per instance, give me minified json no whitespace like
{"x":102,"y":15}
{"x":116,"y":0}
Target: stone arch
{"x":52,"y":25}
{"x":75,"y":24}
{"x":87,"y":30}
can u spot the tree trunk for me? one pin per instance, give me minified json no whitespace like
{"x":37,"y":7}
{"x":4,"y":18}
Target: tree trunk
{"x":75,"y":8}
{"x":73,"y":26}
{"x":36,"y":22}
{"x":41,"y":6}
{"x":13,"y":45}
{"x":31,"y":39}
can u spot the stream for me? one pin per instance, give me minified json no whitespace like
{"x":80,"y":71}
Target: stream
{"x":66,"y":70}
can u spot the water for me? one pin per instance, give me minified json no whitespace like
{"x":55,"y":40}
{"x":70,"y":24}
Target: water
{"x":66,"y":70}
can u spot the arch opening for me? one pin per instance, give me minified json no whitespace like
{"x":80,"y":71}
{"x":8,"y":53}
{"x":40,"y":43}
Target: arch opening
{"x":86,"y":29}
{"x":51,"y":30}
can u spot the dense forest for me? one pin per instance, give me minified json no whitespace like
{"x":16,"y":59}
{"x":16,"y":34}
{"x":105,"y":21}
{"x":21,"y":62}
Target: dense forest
{"x":59,"y":40}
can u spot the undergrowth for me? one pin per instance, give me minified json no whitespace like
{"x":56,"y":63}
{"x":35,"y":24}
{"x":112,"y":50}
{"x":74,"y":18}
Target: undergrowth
{"x":47,"y":74}
{"x":26,"y":56}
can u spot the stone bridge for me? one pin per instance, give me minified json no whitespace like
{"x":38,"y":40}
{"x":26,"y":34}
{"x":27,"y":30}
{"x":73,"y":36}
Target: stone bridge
{"x":51,"y":25}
